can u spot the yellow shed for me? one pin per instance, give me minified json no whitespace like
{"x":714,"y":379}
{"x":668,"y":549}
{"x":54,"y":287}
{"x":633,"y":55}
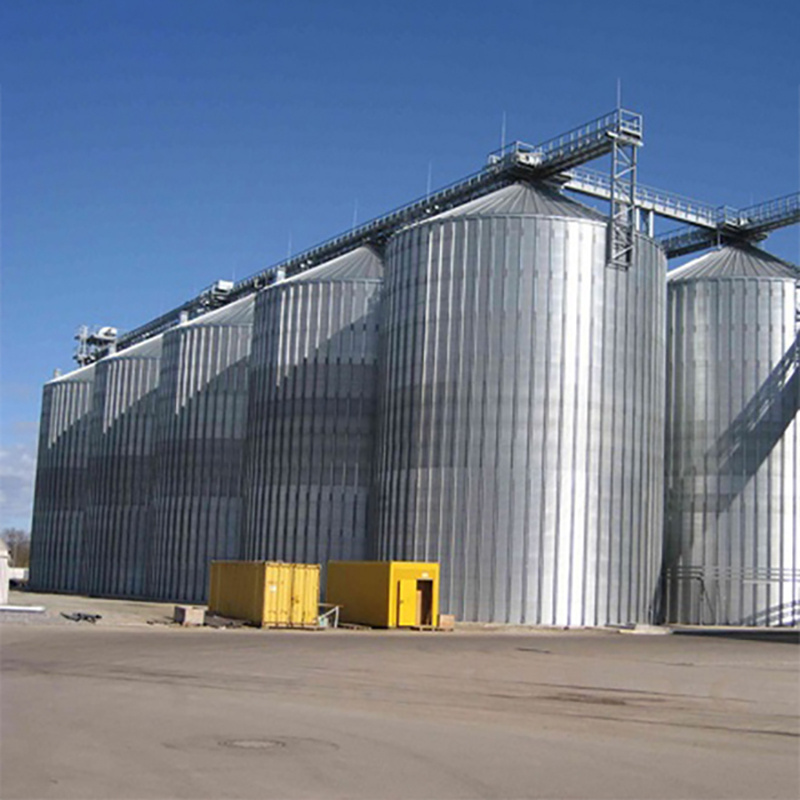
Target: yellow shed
{"x":267,"y":593}
{"x":385,"y":594}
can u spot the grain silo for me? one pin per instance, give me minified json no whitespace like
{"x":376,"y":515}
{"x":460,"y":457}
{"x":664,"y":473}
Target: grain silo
{"x":202,"y":416}
{"x":732,"y":533}
{"x":522,"y":411}
{"x":61,"y":482}
{"x":119,"y":520}
{"x":312,"y":412}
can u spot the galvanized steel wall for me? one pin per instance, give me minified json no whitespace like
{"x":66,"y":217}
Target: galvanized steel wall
{"x":732,"y":538}
{"x":61,"y":483}
{"x":119,"y":519}
{"x":312,"y":413}
{"x":202,"y":417}
{"x":522,"y":413}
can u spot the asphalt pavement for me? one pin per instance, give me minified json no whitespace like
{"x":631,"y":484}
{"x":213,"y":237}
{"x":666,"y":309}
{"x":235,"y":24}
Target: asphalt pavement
{"x":127,"y":709}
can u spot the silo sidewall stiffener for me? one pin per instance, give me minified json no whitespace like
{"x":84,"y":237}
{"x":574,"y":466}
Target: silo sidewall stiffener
{"x":311,"y":426}
{"x":732,"y":532}
{"x":521,"y":418}
{"x":61,"y":483}
{"x":119,"y":518}
{"x":199,"y":447}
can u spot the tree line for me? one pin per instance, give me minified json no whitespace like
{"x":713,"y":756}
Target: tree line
{"x":19,"y":546}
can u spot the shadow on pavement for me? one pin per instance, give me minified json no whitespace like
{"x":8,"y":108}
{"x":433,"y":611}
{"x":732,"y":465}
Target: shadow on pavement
{"x":778,"y":635}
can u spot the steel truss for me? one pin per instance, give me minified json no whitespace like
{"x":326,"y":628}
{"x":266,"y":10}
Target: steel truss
{"x":558,"y":160}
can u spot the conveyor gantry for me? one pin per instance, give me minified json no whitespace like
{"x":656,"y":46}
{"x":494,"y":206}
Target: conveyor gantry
{"x":749,"y":224}
{"x":705,"y":225}
{"x":618,"y":133}
{"x":648,"y":199}
{"x":582,"y":144}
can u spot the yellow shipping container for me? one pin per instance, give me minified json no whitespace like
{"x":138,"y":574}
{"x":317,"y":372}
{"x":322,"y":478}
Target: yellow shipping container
{"x":267,"y":593}
{"x":384,"y":594}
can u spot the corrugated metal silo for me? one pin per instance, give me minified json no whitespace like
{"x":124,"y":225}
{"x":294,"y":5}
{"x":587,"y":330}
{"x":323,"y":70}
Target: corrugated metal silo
{"x":61,"y":483}
{"x":312,"y":412}
{"x":732,"y":538}
{"x":522,"y":411}
{"x":119,"y":519}
{"x":202,"y":417}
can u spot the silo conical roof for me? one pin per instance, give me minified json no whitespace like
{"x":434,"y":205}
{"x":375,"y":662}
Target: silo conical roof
{"x":239,"y":312}
{"x":523,"y":199}
{"x":735,"y":261}
{"x":149,"y":348}
{"x":357,"y":265}
{"x":84,"y":373}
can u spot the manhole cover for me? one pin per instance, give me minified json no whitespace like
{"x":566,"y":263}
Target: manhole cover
{"x":254,"y":744}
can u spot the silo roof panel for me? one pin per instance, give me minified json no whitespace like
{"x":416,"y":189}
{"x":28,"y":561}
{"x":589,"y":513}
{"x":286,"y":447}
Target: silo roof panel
{"x":357,"y":265}
{"x":524,"y":199}
{"x":735,"y":261}
{"x":237,"y":313}
{"x":149,"y":348}
{"x":85,"y":373}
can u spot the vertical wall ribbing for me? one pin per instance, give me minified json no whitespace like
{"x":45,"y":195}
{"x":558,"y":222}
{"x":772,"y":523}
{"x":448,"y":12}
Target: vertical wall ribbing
{"x":733,"y":442}
{"x":61,"y":483}
{"x":119,"y":519}
{"x":199,"y":442}
{"x":521,"y":420}
{"x":312,"y":414}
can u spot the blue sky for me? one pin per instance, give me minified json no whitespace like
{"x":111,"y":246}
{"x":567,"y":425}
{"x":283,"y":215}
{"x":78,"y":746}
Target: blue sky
{"x":150,"y":148}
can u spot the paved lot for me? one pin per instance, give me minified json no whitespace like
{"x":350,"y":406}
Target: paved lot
{"x":129,"y":710}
